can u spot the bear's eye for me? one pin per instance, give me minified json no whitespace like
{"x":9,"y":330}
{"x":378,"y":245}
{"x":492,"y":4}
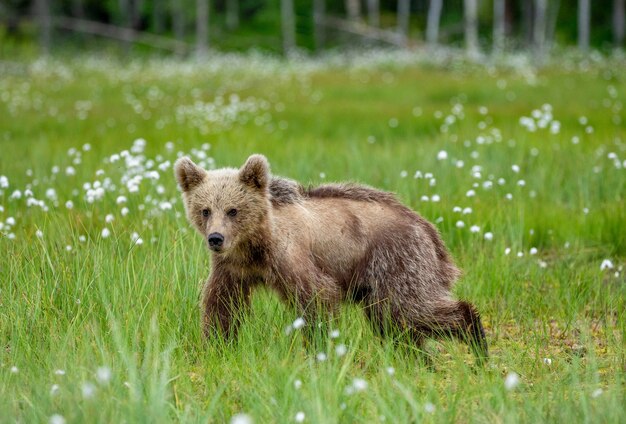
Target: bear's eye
{"x":206,"y":213}
{"x":232,"y":212}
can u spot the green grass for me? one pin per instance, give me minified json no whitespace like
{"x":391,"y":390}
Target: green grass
{"x":133,"y":308}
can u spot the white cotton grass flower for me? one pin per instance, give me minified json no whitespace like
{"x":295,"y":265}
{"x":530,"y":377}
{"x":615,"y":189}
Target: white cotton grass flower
{"x":507,"y":251}
{"x":57,"y":419}
{"x":533,"y":251}
{"x":488,"y":236}
{"x":4,"y":181}
{"x":14,"y":369}
{"x":54,"y":389}
{"x":358,"y":385}
{"x":334,"y":334}
{"x":511,"y":381}
{"x":606,"y":264}
{"x":429,"y":408}
{"x":547,"y":361}
{"x":321,"y":357}
{"x":121,"y":199}
{"x":88,"y":390}
{"x":470,"y":193}
{"x":103,"y":375}
{"x":136,"y":239}
{"x":69,"y":204}
{"x":105,"y":232}
{"x":460,"y":224}
{"x":298,"y":323}
{"x":442,"y":155}
{"x":596,"y":393}
{"x":241,"y":418}
{"x":474,"y":229}
{"x":300,"y":416}
{"x":39,"y":234}
{"x":297,"y":384}
{"x":109,"y":218}
{"x":341,"y":350}
{"x":390,"y":370}
{"x":124,"y":211}
{"x":59,"y":372}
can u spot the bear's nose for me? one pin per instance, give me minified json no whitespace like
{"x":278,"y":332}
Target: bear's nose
{"x":216,"y":240}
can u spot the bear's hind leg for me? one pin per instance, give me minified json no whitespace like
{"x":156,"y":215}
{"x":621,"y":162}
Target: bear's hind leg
{"x":458,"y":319}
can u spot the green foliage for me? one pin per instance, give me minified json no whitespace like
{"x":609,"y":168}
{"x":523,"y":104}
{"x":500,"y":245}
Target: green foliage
{"x":132,"y":308}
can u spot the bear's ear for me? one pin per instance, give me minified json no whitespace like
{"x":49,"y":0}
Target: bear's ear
{"x":255,"y":172}
{"x":188,"y":174}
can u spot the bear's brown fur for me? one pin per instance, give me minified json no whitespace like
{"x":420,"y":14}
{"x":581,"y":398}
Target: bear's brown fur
{"x":322,"y":245}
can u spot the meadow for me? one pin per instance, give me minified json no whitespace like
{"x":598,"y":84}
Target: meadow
{"x":521,"y":168}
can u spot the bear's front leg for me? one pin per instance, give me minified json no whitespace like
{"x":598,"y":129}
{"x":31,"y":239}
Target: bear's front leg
{"x":223,"y":299}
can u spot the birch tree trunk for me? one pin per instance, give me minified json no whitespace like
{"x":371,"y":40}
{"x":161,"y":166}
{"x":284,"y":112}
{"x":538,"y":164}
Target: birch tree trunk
{"x":373,"y":12}
{"x":78,"y":9}
{"x":499,"y":24}
{"x":43,"y":19}
{"x":403,"y":15}
{"x":232,"y":14}
{"x":202,"y":27}
{"x":584,"y":18}
{"x":618,"y":22}
{"x":288,"y":25}
{"x":353,"y":9}
{"x":471,"y":26}
{"x":179,"y":21}
{"x":319,"y":14}
{"x":539,"y":27}
{"x":432,"y":25}
{"x":158,"y":23}
{"x":553,"y":14}
{"x":527,"y":23}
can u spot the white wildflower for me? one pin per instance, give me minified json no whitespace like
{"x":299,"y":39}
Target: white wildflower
{"x":511,"y":381}
{"x":241,"y":419}
{"x":606,"y":264}
{"x":103,"y":375}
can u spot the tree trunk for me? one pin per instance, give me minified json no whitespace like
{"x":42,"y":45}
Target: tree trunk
{"x":499,"y":25}
{"x":618,"y":22}
{"x":403,"y":15}
{"x":353,"y":9}
{"x":125,"y":18}
{"x":179,"y":21}
{"x":319,"y":14}
{"x":584,"y":18}
{"x":527,"y":22}
{"x":135,"y":21}
{"x":158,"y":23}
{"x":471,"y":26}
{"x":373,"y":12}
{"x":288,"y":24}
{"x":553,"y":14}
{"x":539,"y":30}
{"x":232,"y":14}
{"x":202,"y":27}
{"x":432,"y":26}
{"x":78,"y":10}
{"x":43,"y":19}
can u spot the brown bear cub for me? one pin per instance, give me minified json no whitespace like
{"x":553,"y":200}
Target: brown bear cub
{"x":321,"y":246}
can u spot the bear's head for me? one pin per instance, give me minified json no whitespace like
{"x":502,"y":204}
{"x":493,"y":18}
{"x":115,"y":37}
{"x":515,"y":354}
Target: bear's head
{"x":227,"y":206}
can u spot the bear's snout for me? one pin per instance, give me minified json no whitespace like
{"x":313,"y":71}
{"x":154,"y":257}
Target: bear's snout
{"x":216,"y":240}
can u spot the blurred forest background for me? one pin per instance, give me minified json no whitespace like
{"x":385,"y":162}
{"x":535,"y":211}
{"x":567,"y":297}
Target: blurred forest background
{"x":195,"y":27}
